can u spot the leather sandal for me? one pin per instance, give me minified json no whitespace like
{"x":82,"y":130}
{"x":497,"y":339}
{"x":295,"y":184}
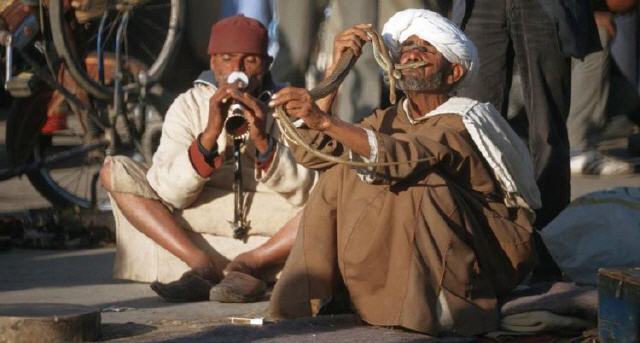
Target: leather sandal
{"x":189,"y":288}
{"x":238,"y":287}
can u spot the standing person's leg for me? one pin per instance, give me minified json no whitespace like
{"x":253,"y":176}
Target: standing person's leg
{"x":625,"y":48}
{"x":298,"y":22}
{"x":487,"y":28}
{"x":546,"y":79}
{"x":591,"y":102}
{"x":545,"y":73}
{"x":360,"y":92}
{"x":589,"y":94}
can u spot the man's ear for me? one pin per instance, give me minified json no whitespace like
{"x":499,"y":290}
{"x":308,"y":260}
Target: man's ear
{"x":457,"y":73}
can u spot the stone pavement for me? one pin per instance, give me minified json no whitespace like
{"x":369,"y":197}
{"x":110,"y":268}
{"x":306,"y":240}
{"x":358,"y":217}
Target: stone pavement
{"x":132,"y":313}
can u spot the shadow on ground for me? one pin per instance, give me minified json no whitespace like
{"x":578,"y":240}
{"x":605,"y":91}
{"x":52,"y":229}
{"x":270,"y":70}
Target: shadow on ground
{"x":25,"y":269}
{"x":340,"y":328}
{"x":116,"y":331}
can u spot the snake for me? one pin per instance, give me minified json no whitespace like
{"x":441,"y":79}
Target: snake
{"x":332,"y":82}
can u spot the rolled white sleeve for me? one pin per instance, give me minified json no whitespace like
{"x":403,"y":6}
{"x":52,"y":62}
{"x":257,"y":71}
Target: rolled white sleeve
{"x":368,"y":174}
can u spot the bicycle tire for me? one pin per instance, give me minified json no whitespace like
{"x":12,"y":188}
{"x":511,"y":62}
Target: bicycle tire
{"x":60,"y":195}
{"x":76,"y":66}
{"x":57,"y":195}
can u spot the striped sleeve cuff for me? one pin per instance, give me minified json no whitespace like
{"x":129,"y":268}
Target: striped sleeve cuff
{"x":201,"y":166}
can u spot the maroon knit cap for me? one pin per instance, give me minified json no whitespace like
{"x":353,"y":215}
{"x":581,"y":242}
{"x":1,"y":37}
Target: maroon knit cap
{"x":238,"y":34}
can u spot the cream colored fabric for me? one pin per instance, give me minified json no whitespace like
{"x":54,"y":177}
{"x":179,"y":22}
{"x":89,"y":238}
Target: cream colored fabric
{"x":543,"y":321}
{"x":176,"y":181}
{"x":203,"y":206}
{"x":138,"y":258}
{"x":213,"y":209}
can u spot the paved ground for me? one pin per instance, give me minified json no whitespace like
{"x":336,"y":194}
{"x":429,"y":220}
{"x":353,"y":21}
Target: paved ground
{"x":132,"y":313}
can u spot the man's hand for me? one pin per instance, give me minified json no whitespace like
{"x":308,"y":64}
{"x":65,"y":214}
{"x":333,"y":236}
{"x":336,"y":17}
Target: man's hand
{"x":352,"y":39}
{"x":298,"y":103}
{"x":218,"y":106}
{"x":255,"y":115}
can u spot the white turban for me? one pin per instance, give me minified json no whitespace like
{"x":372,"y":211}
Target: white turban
{"x":439,"y":31}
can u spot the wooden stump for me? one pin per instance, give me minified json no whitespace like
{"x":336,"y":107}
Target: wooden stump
{"x":48,"y":323}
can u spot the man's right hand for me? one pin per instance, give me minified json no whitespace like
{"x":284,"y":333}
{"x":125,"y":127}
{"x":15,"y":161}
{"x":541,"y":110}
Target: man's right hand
{"x":352,"y":39}
{"x":218,"y":106}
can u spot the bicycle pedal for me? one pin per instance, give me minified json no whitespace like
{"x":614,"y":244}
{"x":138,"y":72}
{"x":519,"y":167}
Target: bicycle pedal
{"x":22,"y":85}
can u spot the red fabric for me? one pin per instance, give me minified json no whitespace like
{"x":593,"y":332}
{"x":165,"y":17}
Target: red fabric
{"x":201,"y":166}
{"x":55,"y":122}
{"x":238,"y":34}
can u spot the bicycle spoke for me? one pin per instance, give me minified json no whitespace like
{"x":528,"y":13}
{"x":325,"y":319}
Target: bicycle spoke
{"x":147,"y":50}
{"x":94,"y":37}
{"x":112,"y":28}
{"x":155,"y":7}
{"x":151,"y":24}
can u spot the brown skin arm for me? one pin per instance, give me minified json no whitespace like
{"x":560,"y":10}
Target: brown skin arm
{"x":298,"y":103}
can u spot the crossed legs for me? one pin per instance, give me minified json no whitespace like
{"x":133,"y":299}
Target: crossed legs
{"x":155,"y":220}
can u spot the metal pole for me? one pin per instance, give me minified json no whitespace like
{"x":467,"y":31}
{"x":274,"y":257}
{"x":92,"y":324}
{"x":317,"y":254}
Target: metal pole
{"x":240,"y":227}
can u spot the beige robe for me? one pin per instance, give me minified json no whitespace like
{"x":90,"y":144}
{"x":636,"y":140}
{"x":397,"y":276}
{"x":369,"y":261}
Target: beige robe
{"x":430,"y":248}
{"x":203,"y":206}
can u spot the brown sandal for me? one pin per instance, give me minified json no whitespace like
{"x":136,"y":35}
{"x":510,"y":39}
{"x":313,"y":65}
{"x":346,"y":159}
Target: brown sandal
{"x":189,"y":288}
{"x":238,"y":287}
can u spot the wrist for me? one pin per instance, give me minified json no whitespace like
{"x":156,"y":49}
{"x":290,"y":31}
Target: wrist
{"x":209,"y":154}
{"x":209,"y":139}
{"x":325,"y":123}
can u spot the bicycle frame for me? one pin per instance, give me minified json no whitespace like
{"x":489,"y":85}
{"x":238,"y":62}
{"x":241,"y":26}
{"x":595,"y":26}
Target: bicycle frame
{"x":51,"y":157}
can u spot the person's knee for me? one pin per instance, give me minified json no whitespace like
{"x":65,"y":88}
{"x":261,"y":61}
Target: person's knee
{"x":105,"y":175}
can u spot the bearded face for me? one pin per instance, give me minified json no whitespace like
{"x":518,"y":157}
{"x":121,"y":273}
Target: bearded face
{"x":432,"y":77}
{"x":431,"y":83}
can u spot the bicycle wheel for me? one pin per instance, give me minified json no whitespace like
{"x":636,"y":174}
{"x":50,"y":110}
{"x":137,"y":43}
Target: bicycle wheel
{"x":73,"y":180}
{"x":153,"y":34}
